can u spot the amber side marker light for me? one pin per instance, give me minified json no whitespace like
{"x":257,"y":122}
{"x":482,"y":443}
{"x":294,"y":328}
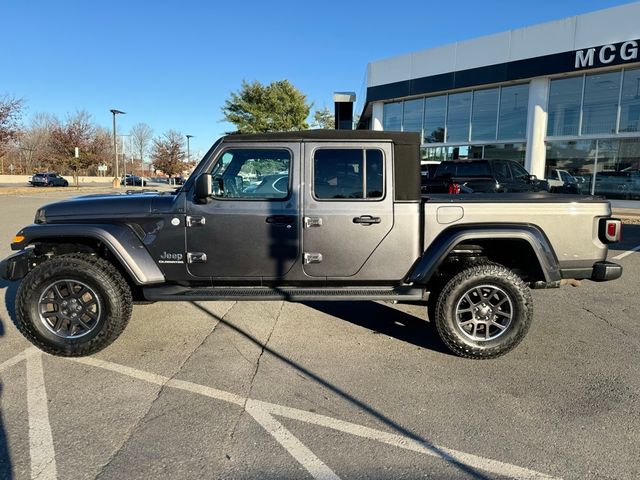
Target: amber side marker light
{"x":18,"y":239}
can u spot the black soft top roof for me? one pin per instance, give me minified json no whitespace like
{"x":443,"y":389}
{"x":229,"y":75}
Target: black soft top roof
{"x":399,"y":138}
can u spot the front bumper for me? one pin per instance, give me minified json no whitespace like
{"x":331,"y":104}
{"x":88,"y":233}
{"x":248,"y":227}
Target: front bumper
{"x":16,"y":266}
{"x":603,"y":271}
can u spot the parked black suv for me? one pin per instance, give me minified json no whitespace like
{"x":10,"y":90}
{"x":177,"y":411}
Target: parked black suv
{"x":133,"y":180}
{"x":482,"y":176}
{"x":48,"y":179}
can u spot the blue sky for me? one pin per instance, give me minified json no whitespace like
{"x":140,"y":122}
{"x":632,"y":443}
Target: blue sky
{"x":172,"y":64}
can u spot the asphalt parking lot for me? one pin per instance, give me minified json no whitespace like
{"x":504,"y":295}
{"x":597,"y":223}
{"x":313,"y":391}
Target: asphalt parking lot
{"x":327,"y":390}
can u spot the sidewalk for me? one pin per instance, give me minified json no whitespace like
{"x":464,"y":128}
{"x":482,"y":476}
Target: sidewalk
{"x":628,"y":210}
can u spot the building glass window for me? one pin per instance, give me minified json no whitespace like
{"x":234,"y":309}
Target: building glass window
{"x":435,"y":112}
{"x":514,"y":104}
{"x":565,"y":97}
{"x":575,"y":158}
{"x":630,"y":102}
{"x":392,"y":116}
{"x":609,"y":167}
{"x":458,"y":116}
{"x":506,"y":151}
{"x":433,"y":154}
{"x":412,"y":115}
{"x":600,"y":104}
{"x":485,"y":114}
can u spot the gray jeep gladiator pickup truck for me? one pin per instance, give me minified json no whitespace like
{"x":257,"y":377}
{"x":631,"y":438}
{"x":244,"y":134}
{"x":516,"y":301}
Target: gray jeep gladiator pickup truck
{"x":300,"y":216}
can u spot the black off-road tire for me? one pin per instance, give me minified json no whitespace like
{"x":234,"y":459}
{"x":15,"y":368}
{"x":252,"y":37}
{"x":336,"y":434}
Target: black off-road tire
{"x":491,"y":274}
{"x":104,"y":279}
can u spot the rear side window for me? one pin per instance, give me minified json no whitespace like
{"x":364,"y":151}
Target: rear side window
{"x":463,"y":169}
{"x":356,"y":174}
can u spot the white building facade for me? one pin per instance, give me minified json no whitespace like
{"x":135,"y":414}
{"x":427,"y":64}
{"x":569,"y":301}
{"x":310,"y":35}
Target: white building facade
{"x":559,"y":96}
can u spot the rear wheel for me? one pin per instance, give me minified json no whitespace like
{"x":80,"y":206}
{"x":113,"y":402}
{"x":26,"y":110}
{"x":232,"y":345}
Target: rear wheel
{"x":484,"y":311}
{"x":73,"y":305}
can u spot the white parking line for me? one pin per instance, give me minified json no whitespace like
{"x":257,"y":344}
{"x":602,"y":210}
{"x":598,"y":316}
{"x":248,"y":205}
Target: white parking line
{"x":43,"y":465}
{"x":302,"y":454}
{"x":628,"y":252}
{"x":291,"y":444}
{"x":404,"y":442}
{"x":41,"y":451}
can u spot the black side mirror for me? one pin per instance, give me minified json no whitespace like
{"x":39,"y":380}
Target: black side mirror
{"x":533,"y":179}
{"x":203,"y":188}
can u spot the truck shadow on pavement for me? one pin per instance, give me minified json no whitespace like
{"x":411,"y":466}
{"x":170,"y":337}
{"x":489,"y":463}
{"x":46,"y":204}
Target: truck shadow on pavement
{"x":468,"y":470}
{"x":5,"y":461}
{"x":382,"y":319}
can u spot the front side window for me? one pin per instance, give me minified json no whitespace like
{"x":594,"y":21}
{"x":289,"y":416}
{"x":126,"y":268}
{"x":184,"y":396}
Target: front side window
{"x":518,"y":171}
{"x":502,"y":172}
{"x":348,"y":174}
{"x":252,"y":174}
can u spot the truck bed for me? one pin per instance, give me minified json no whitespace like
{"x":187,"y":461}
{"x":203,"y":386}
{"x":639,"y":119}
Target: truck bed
{"x":570,"y":222}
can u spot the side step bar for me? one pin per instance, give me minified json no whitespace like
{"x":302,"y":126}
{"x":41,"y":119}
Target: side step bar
{"x":292,"y":294}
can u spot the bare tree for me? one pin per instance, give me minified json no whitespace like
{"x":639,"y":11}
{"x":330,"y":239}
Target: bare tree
{"x":10,"y":116}
{"x":34,"y":142}
{"x":141,"y":136}
{"x":168,"y":153}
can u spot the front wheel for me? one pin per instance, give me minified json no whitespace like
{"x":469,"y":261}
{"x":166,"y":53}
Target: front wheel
{"x":484,"y":311}
{"x":73,"y":305}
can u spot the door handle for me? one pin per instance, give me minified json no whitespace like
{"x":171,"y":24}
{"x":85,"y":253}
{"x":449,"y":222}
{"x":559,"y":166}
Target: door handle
{"x":281,"y":219}
{"x":366,"y":220}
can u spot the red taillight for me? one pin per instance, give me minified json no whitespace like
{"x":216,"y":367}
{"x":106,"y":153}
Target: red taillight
{"x":612,"y":231}
{"x":454,"y":188}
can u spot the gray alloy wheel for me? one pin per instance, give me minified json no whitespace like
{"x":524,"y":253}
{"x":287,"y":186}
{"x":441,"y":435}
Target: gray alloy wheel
{"x":484,"y":311}
{"x":69,"y":308}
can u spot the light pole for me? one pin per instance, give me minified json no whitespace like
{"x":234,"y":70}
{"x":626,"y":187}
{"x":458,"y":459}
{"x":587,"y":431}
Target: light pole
{"x":115,"y":146}
{"x":124,"y":156}
{"x":188,"y":153}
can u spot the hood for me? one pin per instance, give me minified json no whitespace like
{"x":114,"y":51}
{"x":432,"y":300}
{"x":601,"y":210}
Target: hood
{"x":100,"y":207}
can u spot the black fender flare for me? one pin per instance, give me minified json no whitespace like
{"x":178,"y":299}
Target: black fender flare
{"x":452,"y":236}
{"x":121,"y":241}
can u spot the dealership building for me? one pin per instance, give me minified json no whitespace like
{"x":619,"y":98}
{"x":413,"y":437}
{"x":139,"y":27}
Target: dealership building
{"x":558,"y":96}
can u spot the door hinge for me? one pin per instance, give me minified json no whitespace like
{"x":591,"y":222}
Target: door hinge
{"x":312,"y":258}
{"x":312,"y":222}
{"x":196,"y":257}
{"x":196,"y":221}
